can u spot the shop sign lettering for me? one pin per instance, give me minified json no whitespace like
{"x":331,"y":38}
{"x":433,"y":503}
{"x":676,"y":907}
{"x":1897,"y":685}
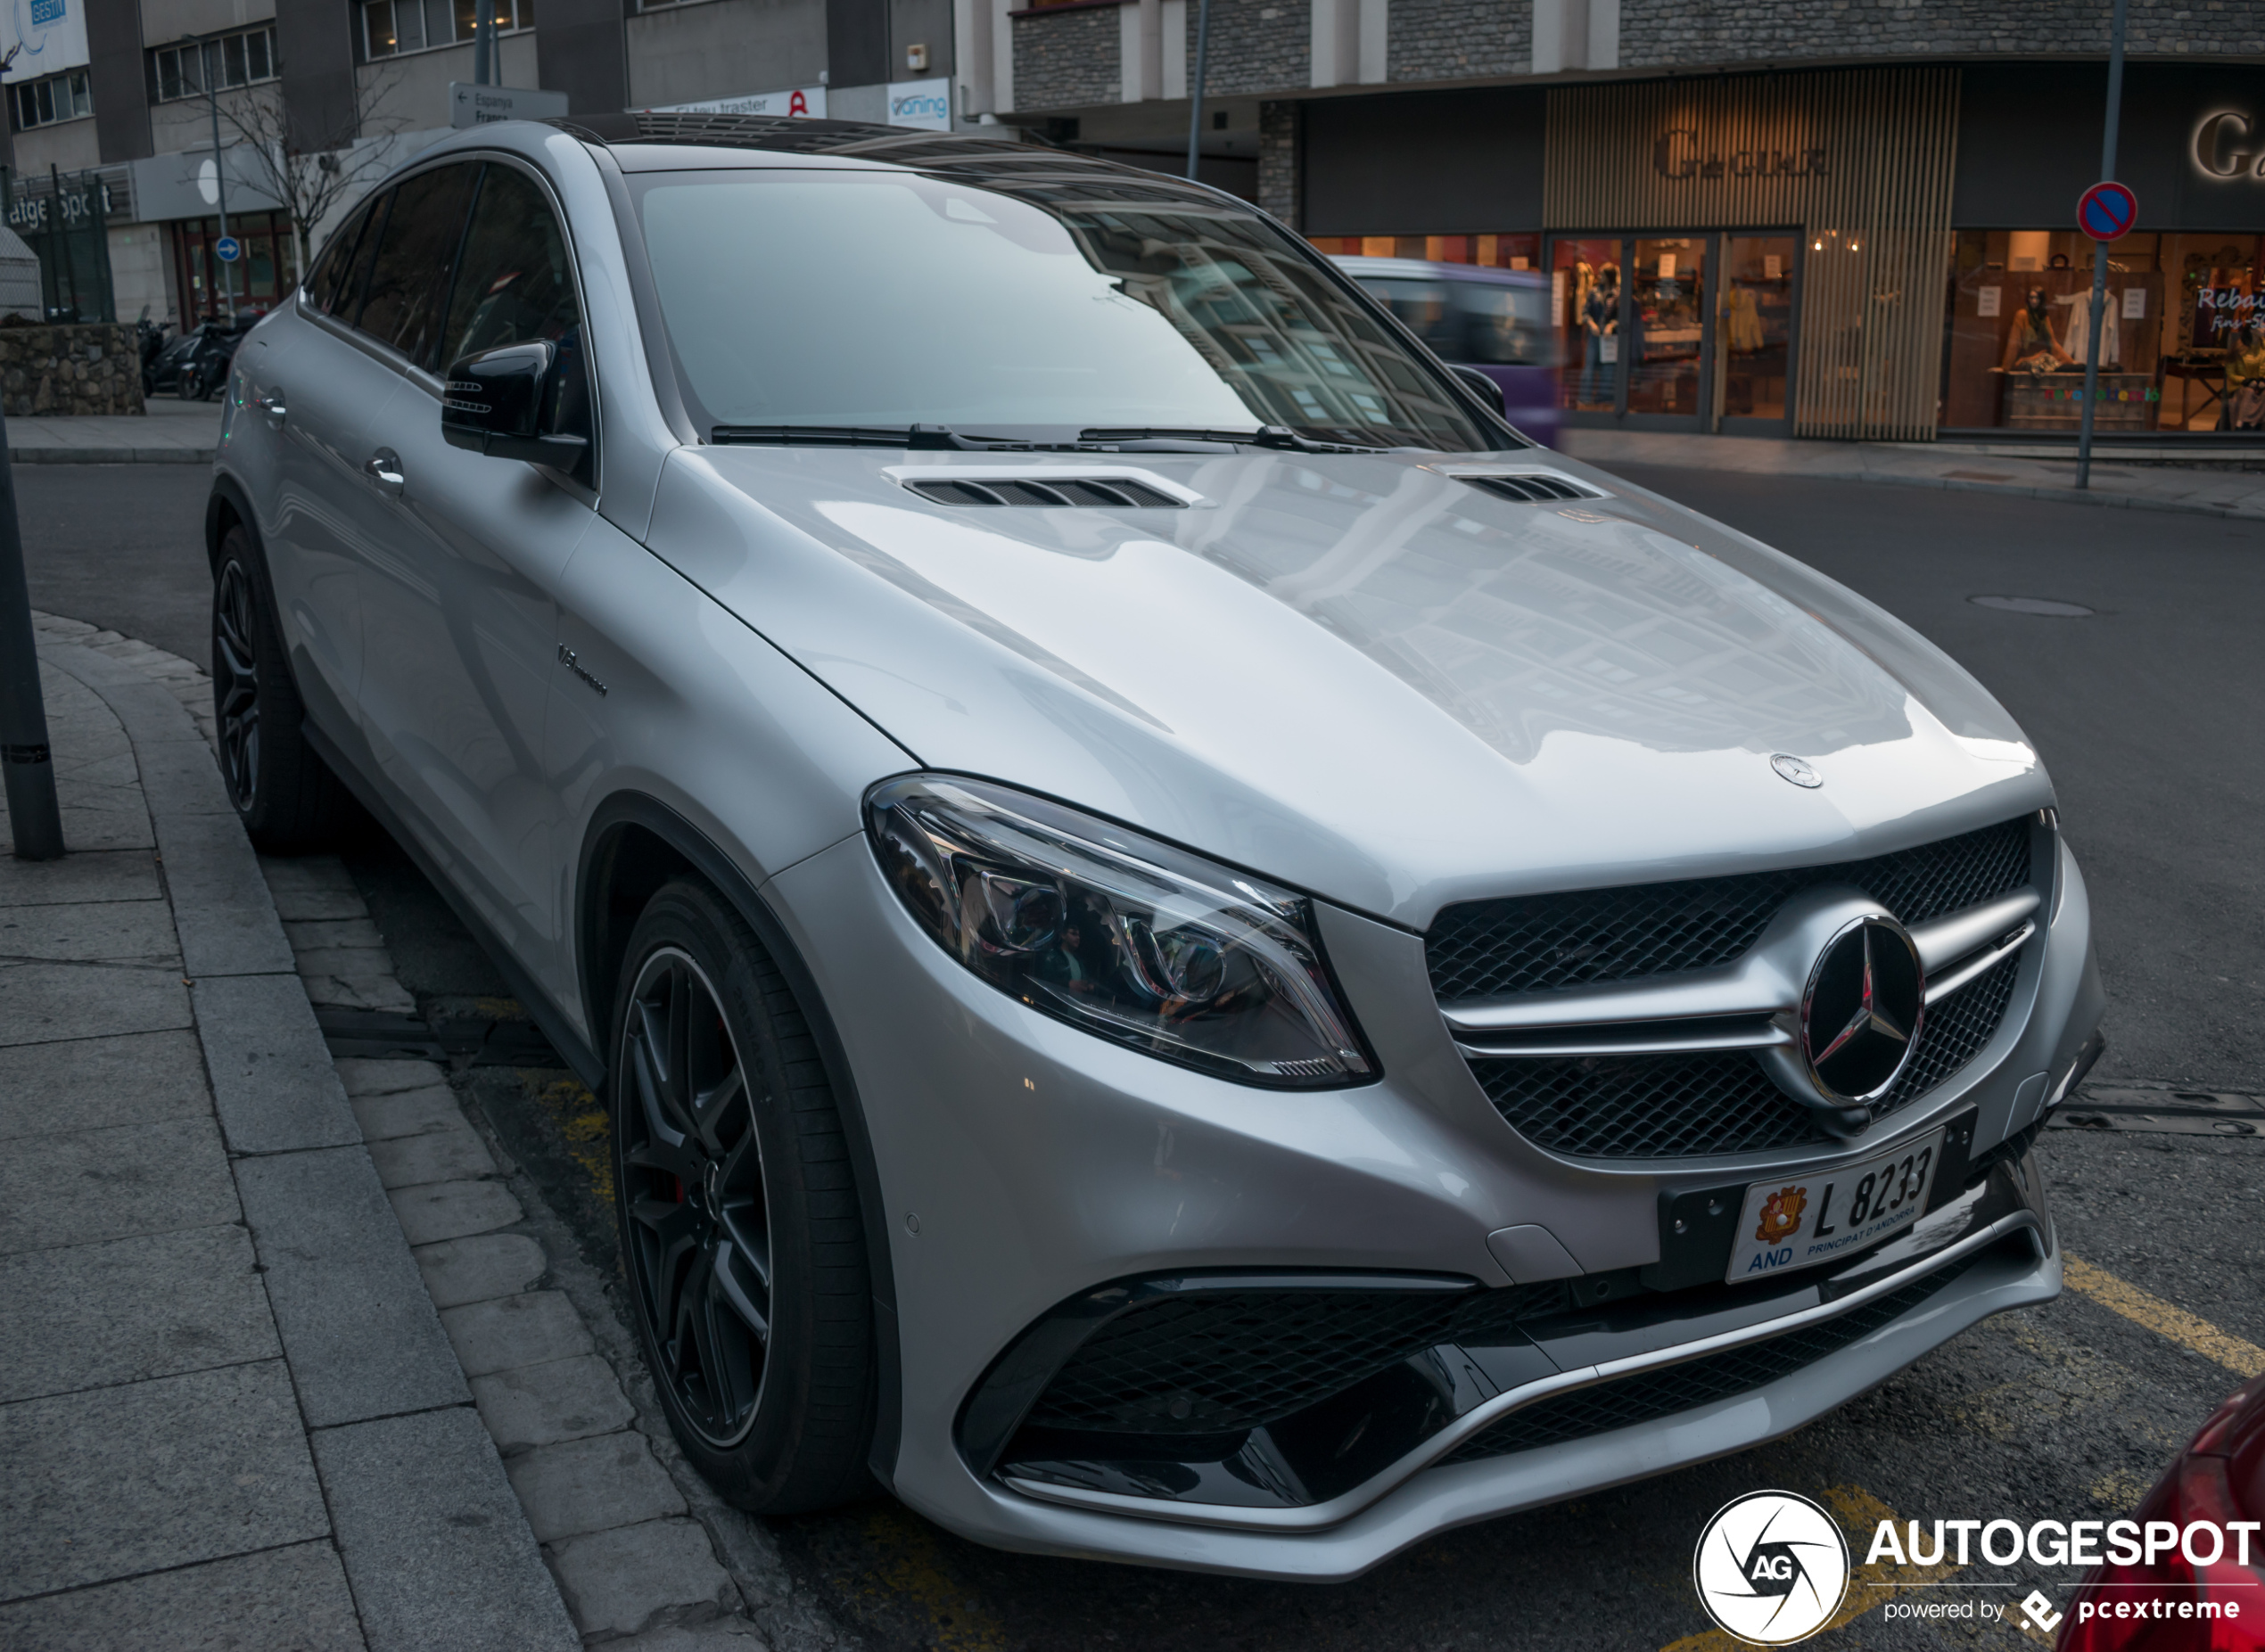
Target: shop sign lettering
{"x":1676,"y":154}
{"x":2225,"y":147}
{"x":2224,"y":312}
{"x":33,"y":213}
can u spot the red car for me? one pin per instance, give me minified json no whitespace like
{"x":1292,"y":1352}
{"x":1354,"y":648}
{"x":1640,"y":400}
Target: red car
{"x":2190,"y":1591}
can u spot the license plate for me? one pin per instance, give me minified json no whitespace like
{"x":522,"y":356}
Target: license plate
{"x":1798,"y":1222}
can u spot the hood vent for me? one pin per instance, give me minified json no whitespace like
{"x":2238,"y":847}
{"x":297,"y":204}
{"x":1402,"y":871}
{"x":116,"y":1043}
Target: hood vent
{"x":1534,"y":489}
{"x":1116,"y":493}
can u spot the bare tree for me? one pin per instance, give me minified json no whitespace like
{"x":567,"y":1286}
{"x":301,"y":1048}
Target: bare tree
{"x":314,"y":170}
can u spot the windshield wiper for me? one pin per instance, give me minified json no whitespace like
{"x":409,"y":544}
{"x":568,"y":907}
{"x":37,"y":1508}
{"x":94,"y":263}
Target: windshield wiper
{"x":917,"y":436}
{"x":1278,"y":436}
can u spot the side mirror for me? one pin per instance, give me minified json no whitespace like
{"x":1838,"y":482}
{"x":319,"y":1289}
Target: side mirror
{"x":496,"y":403}
{"x":1489,"y":393}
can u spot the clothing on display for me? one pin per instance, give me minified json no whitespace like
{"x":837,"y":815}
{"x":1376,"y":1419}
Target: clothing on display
{"x":2078,"y":333}
{"x":1743,"y":317}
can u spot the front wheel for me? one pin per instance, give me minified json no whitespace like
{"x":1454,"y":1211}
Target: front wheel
{"x":740,"y":1226}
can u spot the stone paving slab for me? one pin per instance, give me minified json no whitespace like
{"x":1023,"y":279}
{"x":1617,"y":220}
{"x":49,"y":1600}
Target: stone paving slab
{"x":43,"y":1002}
{"x":106,"y":932}
{"x":291,"y":1599}
{"x":172,"y":432}
{"x":425,"y":1111}
{"x":82,"y":874}
{"x":96,"y":1083}
{"x":272,"y":1083}
{"x":400,"y":1488}
{"x":125,"y":1311}
{"x":363,"y":1338}
{"x":83,"y":1185}
{"x":543,"y":1404}
{"x":589,"y":1485}
{"x":631,"y":1578}
{"x":453,"y":1210}
{"x":507,"y":1331}
{"x":454,"y":1155}
{"x":119,"y":1481}
{"x":458,"y":1272}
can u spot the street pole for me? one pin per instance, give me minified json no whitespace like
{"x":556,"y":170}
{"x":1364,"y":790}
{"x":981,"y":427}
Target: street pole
{"x":2100,"y":256}
{"x":1195,"y":86}
{"x":25,"y":761}
{"x":220,"y":177}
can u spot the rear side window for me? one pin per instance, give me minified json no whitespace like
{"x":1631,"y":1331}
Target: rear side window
{"x":329,"y":278}
{"x":516,"y":283}
{"x":416,"y":252}
{"x":345,"y":300}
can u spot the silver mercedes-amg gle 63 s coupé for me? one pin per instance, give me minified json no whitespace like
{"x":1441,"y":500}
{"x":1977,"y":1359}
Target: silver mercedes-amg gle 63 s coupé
{"x":1199,"y":953}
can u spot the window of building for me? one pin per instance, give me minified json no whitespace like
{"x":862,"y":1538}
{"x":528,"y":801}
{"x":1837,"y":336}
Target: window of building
{"x":57,"y":98}
{"x":265,"y":270}
{"x":235,"y":60}
{"x":391,"y":28}
{"x":2182,"y":332}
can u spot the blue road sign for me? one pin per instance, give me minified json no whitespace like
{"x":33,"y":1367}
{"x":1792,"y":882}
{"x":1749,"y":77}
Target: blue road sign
{"x":227,"y":250}
{"x":2108,"y":211}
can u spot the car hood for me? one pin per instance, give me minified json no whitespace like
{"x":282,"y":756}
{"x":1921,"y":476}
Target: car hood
{"x":1363,"y":676}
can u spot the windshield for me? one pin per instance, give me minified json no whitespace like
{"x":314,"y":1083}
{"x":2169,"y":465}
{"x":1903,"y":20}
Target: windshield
{"x":1483,"y":322}
{"x":880,"y":299}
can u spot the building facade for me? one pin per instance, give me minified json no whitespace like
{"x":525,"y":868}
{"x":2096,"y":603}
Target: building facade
{"x":113,"y":107}
{"x":1847,"y":219}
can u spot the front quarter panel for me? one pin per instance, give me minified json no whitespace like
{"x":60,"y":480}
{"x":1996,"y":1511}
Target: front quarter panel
{"x":699,"y":713}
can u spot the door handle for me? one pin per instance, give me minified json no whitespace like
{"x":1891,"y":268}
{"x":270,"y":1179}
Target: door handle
{"x":272,"y":405}
{"x":383,"y":467}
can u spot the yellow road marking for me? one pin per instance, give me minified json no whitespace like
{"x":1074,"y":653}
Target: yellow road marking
{"x":1860,"y":1514}
{"x":2163,"y":1319}
{"x":581,"y":1118}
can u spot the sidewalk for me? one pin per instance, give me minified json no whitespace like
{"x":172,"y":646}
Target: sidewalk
{"x":229,"y":1410}
{"x":311,"y":1364}
{"x":173,"y":432}
{"x":2120,"y":477}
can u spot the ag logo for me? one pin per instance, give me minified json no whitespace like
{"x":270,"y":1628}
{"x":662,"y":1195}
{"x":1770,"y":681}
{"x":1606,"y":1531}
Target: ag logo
{"x":1771,"y":1568}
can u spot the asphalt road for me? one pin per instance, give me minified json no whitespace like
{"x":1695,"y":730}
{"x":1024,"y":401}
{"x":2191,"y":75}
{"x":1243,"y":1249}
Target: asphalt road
{"x":2144,"y":711}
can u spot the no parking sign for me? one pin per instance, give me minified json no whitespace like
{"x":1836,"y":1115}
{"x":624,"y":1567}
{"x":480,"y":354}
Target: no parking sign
{"x":2108,"y":211}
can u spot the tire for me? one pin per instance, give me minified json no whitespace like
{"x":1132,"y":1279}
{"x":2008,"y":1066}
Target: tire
{"x":288,"y":801}
{"x":740,"y":1228}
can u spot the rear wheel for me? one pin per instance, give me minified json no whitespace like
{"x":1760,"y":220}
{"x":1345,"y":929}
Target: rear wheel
{"x":740,"y":1226}
{"x":287,"y":800}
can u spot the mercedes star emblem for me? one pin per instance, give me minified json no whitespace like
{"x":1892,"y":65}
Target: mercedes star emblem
{"x":1860,"y":1015}
{"x":1800,"y":773}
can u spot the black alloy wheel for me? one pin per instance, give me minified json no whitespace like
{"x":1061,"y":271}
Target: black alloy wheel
{"x":235,"y":681}
{"x":289,"y":803}
{"x":700,"y":1229}
{"x":742,"y":1232}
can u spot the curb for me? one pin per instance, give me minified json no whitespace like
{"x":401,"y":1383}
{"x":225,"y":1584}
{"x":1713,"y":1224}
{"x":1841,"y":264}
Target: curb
{"x":110,"y":456}
{"x":435,"y":1548}
{"x":2059,"y":496}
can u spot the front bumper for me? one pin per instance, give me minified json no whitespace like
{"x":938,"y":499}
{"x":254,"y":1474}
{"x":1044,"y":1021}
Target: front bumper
{"x":1023,"y":1163}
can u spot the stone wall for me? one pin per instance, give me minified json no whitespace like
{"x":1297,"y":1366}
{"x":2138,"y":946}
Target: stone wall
{"x":1666,"y":34}
{"x":1071,"y":58}
{"x":1278,"y":160}
{"x":89,"y":367}
{"x":1256,"y":46}
{"x":1457,"y":39}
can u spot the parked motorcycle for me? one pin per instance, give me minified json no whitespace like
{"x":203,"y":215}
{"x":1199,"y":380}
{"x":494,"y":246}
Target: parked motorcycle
{"x":153,"y":337}
{"x":198,"y":361}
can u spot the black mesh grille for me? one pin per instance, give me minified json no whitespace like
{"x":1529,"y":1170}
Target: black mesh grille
{"x":1678,"y":1106}
{"x":1216,"y":1361}
{"x":1108,"y":493}
{"x":1608,"y":1406}
{"x":1529,"y":489}
{"x":1535,"y":944}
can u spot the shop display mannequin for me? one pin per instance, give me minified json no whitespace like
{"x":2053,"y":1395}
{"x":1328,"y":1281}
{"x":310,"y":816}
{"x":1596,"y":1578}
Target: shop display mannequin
{"x":1599,"y":320}
{"x":2030,"y":346}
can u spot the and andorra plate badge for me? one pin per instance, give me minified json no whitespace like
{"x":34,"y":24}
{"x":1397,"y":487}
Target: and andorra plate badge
{"x":1800,"y":1222}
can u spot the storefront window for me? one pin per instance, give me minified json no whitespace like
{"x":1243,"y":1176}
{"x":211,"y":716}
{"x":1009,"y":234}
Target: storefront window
{"x":1494,"y":251}
{"x":2180,"y":340}
{"x":1584,"y":298}
{"x":1754,"y":327}
{"x":1667,"y":326}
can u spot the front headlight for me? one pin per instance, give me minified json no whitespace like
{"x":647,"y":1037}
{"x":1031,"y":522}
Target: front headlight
{"x":1115,"y":933}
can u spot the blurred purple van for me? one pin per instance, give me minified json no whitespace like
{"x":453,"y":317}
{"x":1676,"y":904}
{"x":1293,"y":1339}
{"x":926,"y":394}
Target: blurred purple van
{"x":1472,"y":316}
